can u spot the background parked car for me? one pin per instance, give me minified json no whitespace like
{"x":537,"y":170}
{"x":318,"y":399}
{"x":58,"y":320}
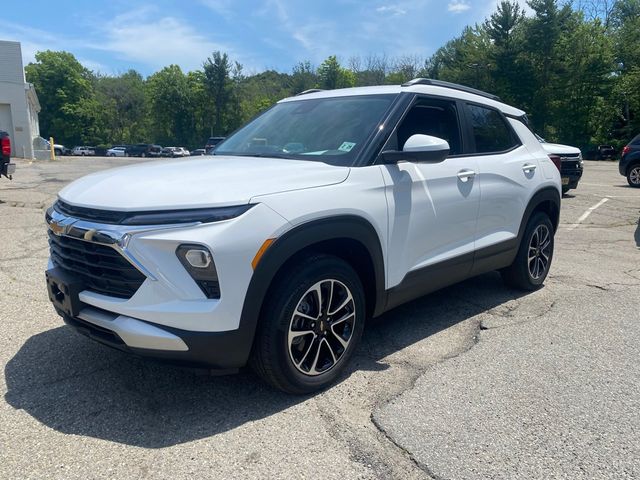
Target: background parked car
{"x":174,"y":152}
{"x":116,"y":152}
{"x":143,"y":150}
{"x":83,"y":151}
{"x":605,"y":152}
{"x":571,"y":164}
{"x":629,"y":165}
{"x":6,"y":167}
{"x":198,"y":152}
{"x":212,"y":142}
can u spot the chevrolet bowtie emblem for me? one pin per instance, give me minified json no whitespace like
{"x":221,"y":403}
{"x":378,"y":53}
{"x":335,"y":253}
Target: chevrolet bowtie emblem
{"x":61,"y":227}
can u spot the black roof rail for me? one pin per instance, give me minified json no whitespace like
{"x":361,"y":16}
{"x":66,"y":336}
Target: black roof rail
{"x":454,"y":86}
{"x":311,"y":90}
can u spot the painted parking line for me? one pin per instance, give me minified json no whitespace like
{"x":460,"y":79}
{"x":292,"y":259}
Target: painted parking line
{"x":589,"y":211}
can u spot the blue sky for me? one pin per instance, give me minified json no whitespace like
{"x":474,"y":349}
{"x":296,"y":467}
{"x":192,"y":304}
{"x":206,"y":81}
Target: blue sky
{"x":113,"y":36}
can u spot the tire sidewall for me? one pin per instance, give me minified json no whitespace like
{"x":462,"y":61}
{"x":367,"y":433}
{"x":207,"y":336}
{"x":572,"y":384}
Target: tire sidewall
{"x":537,"y":220}
{"x":634,"y":185}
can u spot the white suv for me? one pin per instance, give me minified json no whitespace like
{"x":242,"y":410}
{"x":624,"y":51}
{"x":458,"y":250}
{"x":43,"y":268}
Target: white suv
{"x":330,"y":208}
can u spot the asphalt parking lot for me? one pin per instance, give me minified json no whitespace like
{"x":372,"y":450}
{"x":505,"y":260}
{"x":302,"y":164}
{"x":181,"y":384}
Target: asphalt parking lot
{"x":474,"y":381}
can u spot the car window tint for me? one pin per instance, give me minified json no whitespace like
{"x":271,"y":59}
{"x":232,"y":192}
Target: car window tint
{"x":490,"y":131}
{"x":438,"y":118}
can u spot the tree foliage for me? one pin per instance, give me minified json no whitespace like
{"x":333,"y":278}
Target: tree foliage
{"x":574,"y":67}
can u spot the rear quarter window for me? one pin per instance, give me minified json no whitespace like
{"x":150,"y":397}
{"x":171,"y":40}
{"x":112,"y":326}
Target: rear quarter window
{"x":490,"y":131}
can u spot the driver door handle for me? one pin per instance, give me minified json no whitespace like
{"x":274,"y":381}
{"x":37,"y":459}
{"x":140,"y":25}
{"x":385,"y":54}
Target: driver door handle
{"x":528,"y":168}
{"x":465,"y":175}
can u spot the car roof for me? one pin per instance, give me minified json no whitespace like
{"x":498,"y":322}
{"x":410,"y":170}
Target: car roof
{"x":435,"y":90}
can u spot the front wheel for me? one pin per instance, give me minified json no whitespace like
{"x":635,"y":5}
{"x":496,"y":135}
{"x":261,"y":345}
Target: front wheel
{"x":533,"y":260}
{"x":311,"y":324}
{"x":633,"y":176}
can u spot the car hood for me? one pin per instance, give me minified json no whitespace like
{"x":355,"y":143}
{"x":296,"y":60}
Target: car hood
{"x":197,"y":183}
{"x":559,"y":149}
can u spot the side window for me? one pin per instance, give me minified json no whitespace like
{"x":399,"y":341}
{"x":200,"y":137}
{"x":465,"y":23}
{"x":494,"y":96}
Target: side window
{"x":490,"y":131}
{"x":438,"y":118}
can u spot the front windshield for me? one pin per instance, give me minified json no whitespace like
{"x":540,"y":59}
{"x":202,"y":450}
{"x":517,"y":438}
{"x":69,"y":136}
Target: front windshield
{"x":331,"y":130}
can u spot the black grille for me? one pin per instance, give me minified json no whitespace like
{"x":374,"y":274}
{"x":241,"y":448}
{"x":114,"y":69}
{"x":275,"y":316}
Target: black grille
{"x":570,"y":164}
{"x":101,"y":268}
{"x":93,"y":214}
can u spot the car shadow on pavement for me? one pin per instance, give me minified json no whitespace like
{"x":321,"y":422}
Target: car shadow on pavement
{"x":76,"y":386}
{"x":636,"y":235}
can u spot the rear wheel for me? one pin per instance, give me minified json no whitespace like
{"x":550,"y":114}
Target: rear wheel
{"x":311,"y":324}
{"x":633,"y":176}
{"x":531,"y":265}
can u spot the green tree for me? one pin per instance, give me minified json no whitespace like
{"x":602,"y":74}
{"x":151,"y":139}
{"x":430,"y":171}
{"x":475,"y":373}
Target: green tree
{"x":217,"y":71}
{"x":70,"y":111}
{"x":303,"y":77}
{"x":331,"y":75}
{"x":123,"y":106}
{"x":170,"y":104}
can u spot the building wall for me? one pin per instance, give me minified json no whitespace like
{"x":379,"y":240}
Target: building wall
{"x":18,"y":113}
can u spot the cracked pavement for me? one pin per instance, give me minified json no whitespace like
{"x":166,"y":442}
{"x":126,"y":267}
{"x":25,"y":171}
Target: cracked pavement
{"x":474,"y":381}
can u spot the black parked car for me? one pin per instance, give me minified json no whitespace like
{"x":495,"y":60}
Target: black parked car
{"x":629,"y":165}
{"x":212,"y":142}
{"x":605,"y":152}
{"x":143,"y":150}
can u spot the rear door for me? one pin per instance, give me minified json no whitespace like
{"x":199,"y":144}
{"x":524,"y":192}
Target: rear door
{"x":507,"y":176}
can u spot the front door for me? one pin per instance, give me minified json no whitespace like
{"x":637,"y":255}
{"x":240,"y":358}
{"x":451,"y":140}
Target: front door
{"x":433,"y":207}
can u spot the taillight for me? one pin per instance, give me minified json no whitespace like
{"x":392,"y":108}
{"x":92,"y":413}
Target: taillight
{"x":556,"y":161}
{"x":626,"y":150}
{"x":5,"y":142}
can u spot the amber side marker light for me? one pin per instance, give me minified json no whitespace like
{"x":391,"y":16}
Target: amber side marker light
{"x":265,"y":246}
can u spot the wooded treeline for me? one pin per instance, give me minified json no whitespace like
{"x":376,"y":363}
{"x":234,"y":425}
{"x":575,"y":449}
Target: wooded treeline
{"x":575,"y":68}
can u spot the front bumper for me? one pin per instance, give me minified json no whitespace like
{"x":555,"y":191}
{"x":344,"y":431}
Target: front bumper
{"x":220,"y":351}
{"x":570,"y":177}
{"x":169,"y":317}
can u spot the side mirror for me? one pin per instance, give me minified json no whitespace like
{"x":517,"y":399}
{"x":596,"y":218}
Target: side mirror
{"x":419,"y":148}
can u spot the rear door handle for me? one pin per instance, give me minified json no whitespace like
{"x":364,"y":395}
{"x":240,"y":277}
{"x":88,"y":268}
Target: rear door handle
{"x":528,"y":168}
{"x":465,"y":175}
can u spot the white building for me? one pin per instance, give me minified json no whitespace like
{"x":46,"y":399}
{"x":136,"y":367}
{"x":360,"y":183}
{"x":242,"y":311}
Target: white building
{"x":19,"y":104}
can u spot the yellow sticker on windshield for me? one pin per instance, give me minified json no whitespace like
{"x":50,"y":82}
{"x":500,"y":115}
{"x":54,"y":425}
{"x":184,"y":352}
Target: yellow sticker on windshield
{"x":346,"y":146}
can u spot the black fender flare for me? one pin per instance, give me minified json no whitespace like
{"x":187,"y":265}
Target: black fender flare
{"x":546,"y":194}
{"x":302,"y":236}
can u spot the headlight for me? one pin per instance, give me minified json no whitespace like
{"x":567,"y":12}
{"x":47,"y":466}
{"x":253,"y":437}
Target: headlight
{"x":202,"y":215}
{"x":198,"y":262}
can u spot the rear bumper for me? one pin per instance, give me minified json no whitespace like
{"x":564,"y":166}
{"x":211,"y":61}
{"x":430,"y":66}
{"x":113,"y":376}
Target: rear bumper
{"x":6,"y":167}
{"x":222,"y":351}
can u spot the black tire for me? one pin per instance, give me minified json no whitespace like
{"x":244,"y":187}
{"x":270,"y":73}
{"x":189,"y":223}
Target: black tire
{"x":273,"y":355}
{"x":522,"y":273}
{"x":633,"y":176}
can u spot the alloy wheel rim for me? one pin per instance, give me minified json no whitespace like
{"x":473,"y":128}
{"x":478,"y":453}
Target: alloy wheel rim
{"x":634,"y":176}
{"x":321,"y":327}
{"x":539,"y":254}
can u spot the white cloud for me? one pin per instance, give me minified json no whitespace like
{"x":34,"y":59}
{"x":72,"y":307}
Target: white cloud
{"x":458,"y":6}
{"x":394,"y":10}
{"x":221,"y":7}
{"x":142,"y":37}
